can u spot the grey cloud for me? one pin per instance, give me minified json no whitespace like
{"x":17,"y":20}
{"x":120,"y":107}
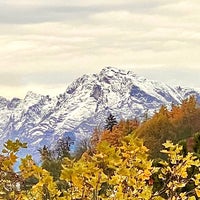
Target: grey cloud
{"x":52,"y":40}
{"x":10,"y":79}
{"x":26,"y":16}
{"x":49,"y":77}
{"x":45,"y":77}
{"x":64,"y":77}
{"x":173,"y":75}
{"x":13,"y":14}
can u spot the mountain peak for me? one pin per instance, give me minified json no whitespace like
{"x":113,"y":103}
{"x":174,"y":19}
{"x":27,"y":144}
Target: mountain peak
{"x":31,"y":94}
{"x":109,"y":71}
{"x":41,"y":120}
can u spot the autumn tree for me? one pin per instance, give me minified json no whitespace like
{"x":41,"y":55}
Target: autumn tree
{"x":192,"y":144}
{"x":45,"y":153}
{"x":122,"y":129}
{"x":62,"y":148}
{"x":96,"y":137}
{"x":156,"y":130}
{"x":112,"y":172}
{"x":121,"y":172}
{"x":9,"y":180}
{"x":181,"y":122}
{"x":196,"y":147}
{"x":52,"y":158}
{"x":178,"y":172}
{"x":83,"y":146}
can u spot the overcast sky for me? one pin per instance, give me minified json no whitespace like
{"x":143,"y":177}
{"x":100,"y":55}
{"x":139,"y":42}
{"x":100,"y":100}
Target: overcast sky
{"x":44,"y":45}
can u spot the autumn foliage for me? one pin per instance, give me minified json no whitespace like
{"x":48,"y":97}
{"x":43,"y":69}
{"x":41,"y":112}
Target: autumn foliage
{"x":119,"y":131}
{"x":114,"y":173}
{"x":119,"y":165}
{"x":178,"y":123}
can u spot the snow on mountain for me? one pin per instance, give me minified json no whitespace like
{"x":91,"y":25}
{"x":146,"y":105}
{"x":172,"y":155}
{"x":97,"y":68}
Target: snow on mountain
{"x":42,"y":120}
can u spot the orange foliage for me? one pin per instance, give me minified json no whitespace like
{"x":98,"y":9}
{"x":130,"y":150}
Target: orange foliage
{"x":95,"y":137}
{"x":120,"y":130}
{"x":179,"y":123}
{"x":186,"y":117}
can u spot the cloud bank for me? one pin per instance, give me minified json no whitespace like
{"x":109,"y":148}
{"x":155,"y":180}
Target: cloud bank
{"x":48,"y":43}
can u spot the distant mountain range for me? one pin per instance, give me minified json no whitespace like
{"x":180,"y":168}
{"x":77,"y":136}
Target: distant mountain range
{"x":41,"y":120}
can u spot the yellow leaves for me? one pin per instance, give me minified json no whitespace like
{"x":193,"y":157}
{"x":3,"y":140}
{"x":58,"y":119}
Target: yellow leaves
{"x":129,"y":179}
{"x":8,"y":178}
{"x":45,"y":183}
{"x":146,"y":193}
{"x":84,"y":176}
{"x":158,"y":198}
{"x":13,"y":157}
{"x":197,"y":192}
{"x":168,"y":144}
{"x":78,"y":182}
{"x":183,"y":195}
{"x":147,"y":173}
{"x":125,"y":169}
{"x":197,"y":179}
{"x":67,"y":162}
{"x":27,"y":167}
{"x":115,"y":179}
{"x":178,"y":184}
{"x":11,"y":146}
{"x":10,"y":149}
{"x":7,"y":164}
{"x":5,"y":151}
{"x":123,"y":172}
{"x":120,"y":193}
{"x":192,"y":198}
{"x":66,"y":174}
{"x":177,"y":172}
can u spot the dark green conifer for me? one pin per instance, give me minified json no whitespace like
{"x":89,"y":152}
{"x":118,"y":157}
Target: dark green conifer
{"x":110,"y":122}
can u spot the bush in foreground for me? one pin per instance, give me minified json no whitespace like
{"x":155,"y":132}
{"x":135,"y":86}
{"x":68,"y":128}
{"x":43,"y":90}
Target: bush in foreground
{"x":115,"y":173}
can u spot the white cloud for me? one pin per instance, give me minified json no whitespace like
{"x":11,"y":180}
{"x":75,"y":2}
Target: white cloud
{"x":73,"y":38}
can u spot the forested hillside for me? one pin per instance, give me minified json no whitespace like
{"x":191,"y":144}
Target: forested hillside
{"x":179,"y":123}
{"x":151,"y":160}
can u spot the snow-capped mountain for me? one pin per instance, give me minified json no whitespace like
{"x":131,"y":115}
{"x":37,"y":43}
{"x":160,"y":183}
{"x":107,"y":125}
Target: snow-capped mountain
{"x":40,"y":120}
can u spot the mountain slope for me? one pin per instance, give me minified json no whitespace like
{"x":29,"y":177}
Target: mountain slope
{"x":40,"y":120}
